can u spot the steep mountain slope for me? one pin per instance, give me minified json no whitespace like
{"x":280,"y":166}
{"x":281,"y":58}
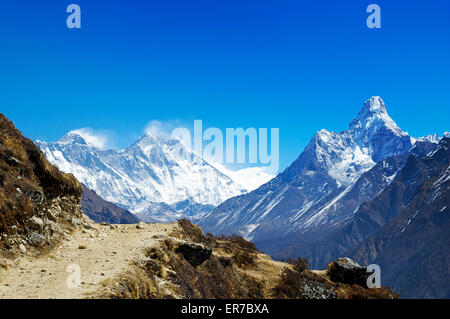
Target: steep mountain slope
{"x":371,"y":215}
{"x":39,"y":205}
{"x":149,"y":171}
{"x":101,"y":211}
{"x":413,"y":246}
{"x":322,"y":187}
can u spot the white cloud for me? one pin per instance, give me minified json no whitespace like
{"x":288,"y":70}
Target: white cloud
{"x":99,"y":138}
{"x":164,"y":129}
{"x":156,"y":128}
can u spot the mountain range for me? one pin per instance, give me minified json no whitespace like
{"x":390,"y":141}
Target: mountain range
{"x":322,"y":187}
{"x":347,"y":194}
{"x":149,"y":178}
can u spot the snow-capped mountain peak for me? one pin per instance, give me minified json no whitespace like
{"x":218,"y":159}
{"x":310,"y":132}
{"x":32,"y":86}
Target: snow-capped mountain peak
{"x":149,"y":145}
{"x":150,"y":139}
{"x":372,"y":136}
{"x":72,"y":137}
{"x":373,"y":117}
{"x":375,"y":104}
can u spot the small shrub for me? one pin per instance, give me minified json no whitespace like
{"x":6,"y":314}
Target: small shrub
{"x":225,"y":261}
{"x":244,"y":258}
{"x":300,"y":264}
{"x":215,"y":279}
{"x":136,"y":285}
{"x":245,"y":244}
{"x":191,"y":231}
{"x":289,"y":285}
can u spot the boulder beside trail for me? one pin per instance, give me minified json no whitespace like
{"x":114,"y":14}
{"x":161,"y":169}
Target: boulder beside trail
{"x":195,"y":254}
{"x":347,"y":271}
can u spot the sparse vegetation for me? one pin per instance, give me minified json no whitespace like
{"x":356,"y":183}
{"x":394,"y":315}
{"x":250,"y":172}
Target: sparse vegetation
{"x":136,"y":284}
{"x":240,"y":242}
{"x":244,"y":258}
{"x":191,"y":231}
{"x":215,"y":278}
{"x":300,"y":264}
{"x":242,"y":252}
{"x":218,"y":276}
{"x":299,"y":283}
{"x":357,"y":292}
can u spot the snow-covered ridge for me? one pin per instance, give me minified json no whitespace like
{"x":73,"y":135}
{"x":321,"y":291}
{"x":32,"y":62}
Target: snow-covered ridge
{"x":433,"y":138}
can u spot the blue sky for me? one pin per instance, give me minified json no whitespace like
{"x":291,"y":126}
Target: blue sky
{"x":299,"y":66}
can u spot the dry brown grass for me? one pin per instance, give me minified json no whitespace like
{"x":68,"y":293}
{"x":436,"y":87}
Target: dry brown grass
{"x":191,"y":231}
{"x":357,"y":292}
{"x":291,"y":283}
{"x":134,"y":284}
{"x":300,"y":264}
{"x":300,"y":283}
{"x":215,"y":278}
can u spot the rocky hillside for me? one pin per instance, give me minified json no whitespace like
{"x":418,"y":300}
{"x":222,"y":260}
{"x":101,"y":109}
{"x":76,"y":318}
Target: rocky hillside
{"x":187,"y":264}
{"x":38,"y":204}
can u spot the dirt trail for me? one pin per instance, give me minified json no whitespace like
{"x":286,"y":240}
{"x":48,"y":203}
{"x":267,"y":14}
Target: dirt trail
{"x":108,"y":252}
